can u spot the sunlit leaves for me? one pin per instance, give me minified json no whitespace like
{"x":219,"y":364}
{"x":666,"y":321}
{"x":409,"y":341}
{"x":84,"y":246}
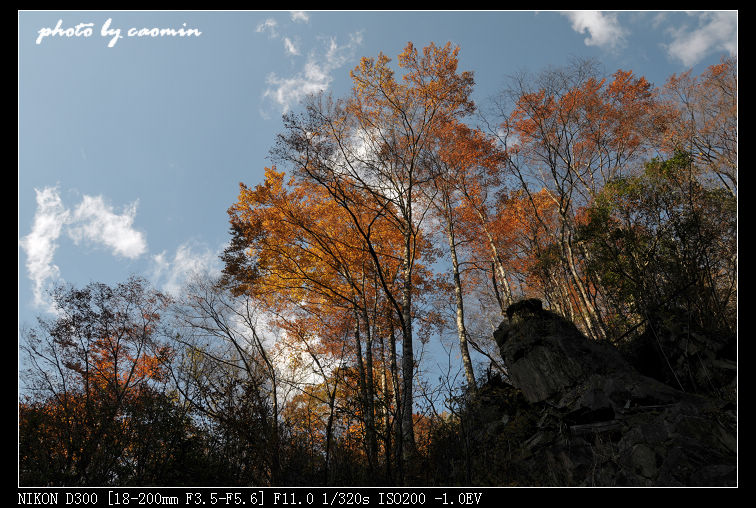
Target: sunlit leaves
{"x":706,"y":124}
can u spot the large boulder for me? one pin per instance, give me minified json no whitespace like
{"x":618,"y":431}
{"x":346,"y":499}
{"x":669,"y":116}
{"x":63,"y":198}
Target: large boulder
{"x":604,"y":423}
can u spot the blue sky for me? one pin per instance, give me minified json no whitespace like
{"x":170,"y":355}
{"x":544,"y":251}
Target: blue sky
{"x":130,"y":150}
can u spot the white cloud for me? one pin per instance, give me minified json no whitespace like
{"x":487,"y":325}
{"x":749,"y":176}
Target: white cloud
{"x":286,"y":92}
{"x":603,"y":28}
{"x":269,"y":25}
{"x":339,"y":55}
{"x":290,"y":47}
{"x":94,"y":221}
{"x":716,"y":31}
{"x":300,"y":16}
{"x":314,"y":77}
{"x":659,"y":20}
{"x":170,"y":274}
{"x":40,"y":244}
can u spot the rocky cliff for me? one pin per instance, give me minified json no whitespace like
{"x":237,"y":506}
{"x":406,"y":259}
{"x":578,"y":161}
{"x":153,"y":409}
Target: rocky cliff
{"x":595,"y":420}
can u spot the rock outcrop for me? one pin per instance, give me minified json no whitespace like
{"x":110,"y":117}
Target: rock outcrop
{"x":601,"y":422}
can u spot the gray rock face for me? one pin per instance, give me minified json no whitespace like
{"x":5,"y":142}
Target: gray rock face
{"x":602,"y":422}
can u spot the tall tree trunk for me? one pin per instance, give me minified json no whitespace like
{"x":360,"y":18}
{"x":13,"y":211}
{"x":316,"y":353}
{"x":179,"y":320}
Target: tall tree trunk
{"x":276,"y":440}
{"x":363,"y":383}
{"x":592,"y":320}
{"x":460,"y":306}
{"x":397,"y":420}
{"x":408,"y":359}
{"x":329,"y":429}
{"x":385,"y":409}
{"x":370,"y":432}
{"x":501,"y":273}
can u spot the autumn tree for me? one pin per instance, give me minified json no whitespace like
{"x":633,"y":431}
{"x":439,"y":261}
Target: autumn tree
{"x":569,"y":132}
{"x":94,"y":370}
{"x":466,"y":167}
{"x":613,"y":201}
{"x":633,"y":207}
{"x":313,"y":412}
{"x":706,"y":123}
{"x":523,"y":223}
{"x":366,"y":152}
{"x":231,"y":375}
{"x":313,"y":271}
{"x":664,"y":244}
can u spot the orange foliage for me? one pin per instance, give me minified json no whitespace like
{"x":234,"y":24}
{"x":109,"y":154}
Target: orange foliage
{"x":590,"y":128}
{"x":706,"y":121}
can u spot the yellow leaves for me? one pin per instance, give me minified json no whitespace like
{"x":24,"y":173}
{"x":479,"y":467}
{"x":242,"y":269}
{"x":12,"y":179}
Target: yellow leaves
{"x":373,"y":80}
{"x":274,"y":180}
{"x":431,"y":90}
{"x":434,"y":77}
{"x":272,"y":185}
{"x":304,"y":244}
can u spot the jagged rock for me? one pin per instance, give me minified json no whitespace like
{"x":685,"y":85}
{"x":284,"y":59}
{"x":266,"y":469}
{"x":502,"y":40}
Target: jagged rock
{"x":524,"y":309}
{"x":604,"y":423}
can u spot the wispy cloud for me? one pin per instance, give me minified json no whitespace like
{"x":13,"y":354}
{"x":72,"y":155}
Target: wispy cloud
{"x":658,"y":20}
{"x":315,"y":76}
{"x":291,"y":48}
{"x":715,"y":31}
{"x":95,"y":222}
{"x":603,"y":28}
{"x":269,"y":26}
{"x":40,"y":244}
{"x":92,"y":221}
{"x":171,"y":273}
{"x":300,"y":16}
